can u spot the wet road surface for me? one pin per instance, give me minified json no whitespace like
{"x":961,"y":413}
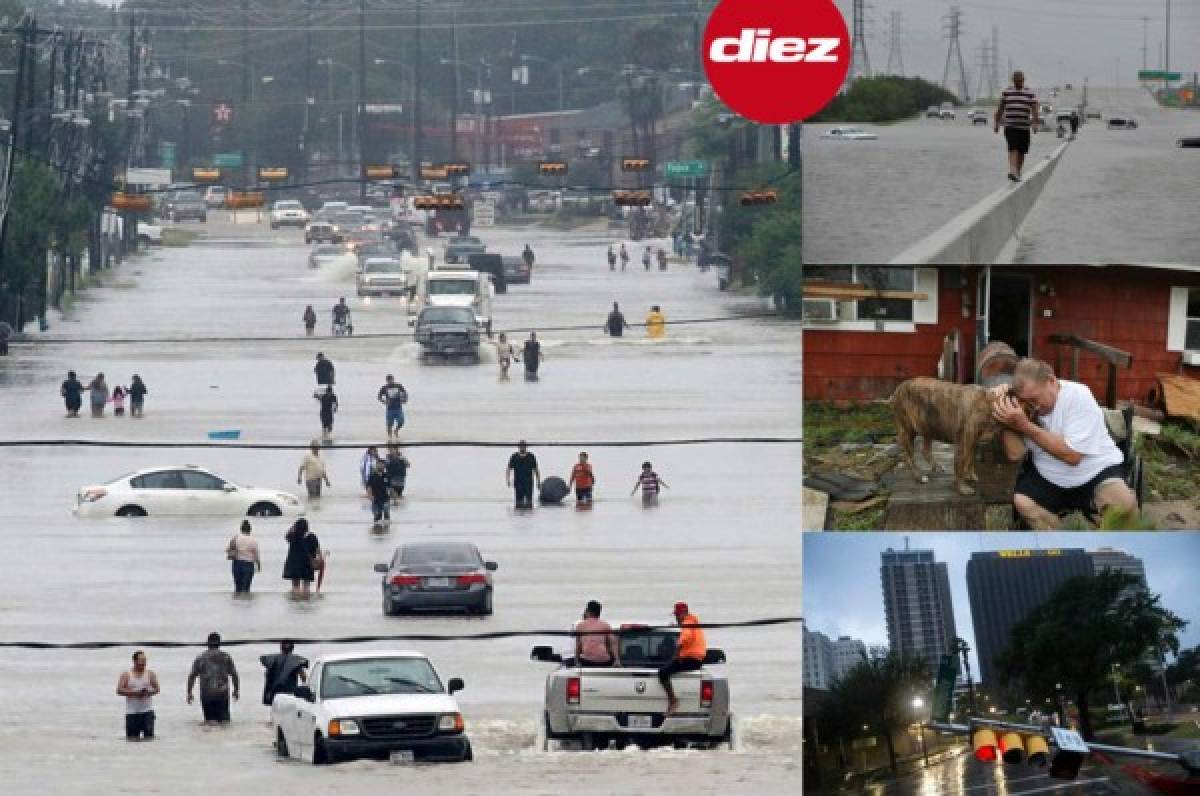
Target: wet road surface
{"x":724,"y":537}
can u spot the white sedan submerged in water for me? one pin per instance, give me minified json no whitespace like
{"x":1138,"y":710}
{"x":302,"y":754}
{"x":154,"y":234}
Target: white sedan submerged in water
{"x":849,"y":134}
{"x":180,"y":490}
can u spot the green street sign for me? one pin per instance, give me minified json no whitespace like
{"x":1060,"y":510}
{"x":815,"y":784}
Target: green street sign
{"x":685,"y":168}
{"x":943,"y":691}
{"x":228,"y":160}
{"x":1158,"y":74}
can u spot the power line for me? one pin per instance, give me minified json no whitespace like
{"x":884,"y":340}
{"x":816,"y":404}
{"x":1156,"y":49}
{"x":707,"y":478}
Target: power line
{"x":460,"y":443}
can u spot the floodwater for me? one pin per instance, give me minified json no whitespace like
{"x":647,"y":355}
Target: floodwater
{"x":724,"y":538}
{"x":1115,"y":196}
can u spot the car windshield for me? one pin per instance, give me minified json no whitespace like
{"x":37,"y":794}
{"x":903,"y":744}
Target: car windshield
{"x":646,"y":647}
{"x":382,"y":266}
{"x":446,"y":315}
{"x":341,"y":679}
{"x":433,"y":555}
{"x":467,"y":241}
{"x":348,"y":219}
{"x":329,"y":251}
{"x":452,"y":287}
{"x":287,"y":204}
{"x":187,"y":196}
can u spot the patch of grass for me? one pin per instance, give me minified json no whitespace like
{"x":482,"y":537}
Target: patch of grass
{"x":827,"y":424}
{"x":867,"y":520}
{"x":1170,"y":474}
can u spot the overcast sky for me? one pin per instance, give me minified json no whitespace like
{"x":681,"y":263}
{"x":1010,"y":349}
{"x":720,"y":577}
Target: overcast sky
{"x":1085,"y":36}
{"x":843,"y":595}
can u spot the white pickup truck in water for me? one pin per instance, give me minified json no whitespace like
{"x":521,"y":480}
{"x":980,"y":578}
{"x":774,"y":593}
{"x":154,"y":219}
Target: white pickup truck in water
{"x":375,"y":703}
{"x":592,"y":707}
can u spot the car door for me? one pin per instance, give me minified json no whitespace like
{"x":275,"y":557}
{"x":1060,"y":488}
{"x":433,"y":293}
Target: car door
{"x":204,"y":494}
{"x":159,"y":492}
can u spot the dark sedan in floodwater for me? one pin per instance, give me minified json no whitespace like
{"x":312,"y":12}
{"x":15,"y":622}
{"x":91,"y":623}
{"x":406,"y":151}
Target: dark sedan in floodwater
{"x":437,"y":575}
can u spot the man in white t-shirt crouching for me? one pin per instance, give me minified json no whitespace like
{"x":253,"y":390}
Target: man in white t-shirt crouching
{"x":1076,"y":464}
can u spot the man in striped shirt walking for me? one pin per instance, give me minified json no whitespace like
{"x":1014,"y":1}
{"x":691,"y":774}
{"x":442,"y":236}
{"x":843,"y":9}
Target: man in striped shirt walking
{"x":1018,"y":109}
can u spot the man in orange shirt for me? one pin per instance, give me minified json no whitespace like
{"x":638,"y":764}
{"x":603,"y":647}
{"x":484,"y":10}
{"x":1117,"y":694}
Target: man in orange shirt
{"x":689,"y":652}
{"x":583,"y":480}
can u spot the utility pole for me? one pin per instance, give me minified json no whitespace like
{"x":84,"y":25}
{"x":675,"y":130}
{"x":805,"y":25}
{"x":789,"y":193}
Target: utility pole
{"x":1167,"y":49}
{"x":455,"y":98}
{"x":996,"y":86}
{"x":415,"y":154}
{"x":31,"y":91}
{"x":860,"y":61}
{"x":1145,"y":42}
{"x":243,"y":122}
{"x":954,"y":29}
{"x":308,"y":90}
{"x":13,"y":132}
{"x":895,"y":63}
{"x":361,"y":121}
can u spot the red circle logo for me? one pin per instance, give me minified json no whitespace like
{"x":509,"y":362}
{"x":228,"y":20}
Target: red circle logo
{"x":776,"y":62}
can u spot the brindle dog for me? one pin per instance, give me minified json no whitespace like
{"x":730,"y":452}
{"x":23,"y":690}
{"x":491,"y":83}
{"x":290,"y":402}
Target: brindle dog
{"x":958,"y":414}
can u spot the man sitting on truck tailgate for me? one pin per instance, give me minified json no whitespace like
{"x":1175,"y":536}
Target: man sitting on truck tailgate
{"x":689,"y":653}
{"x":595,"y":644}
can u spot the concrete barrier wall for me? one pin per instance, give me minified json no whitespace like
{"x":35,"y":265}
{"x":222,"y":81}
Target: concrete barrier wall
{"x":987,"y":231}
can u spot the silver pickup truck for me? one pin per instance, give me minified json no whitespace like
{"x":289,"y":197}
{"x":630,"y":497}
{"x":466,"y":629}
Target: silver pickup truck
{"x":592,"y":707}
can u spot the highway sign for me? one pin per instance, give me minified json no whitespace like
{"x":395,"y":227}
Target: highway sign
{"x":685,"y":168}
{"x":228,"y":160}
{"x":150,"y":177}
{"x":485,"y":213}
{"x":1158,"y":74}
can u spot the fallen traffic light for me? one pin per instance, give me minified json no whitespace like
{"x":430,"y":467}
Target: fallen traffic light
{"x":133,"y":202}
{"x":457,"y":169}
{"x":1065,"y":764}
{"x":1036,"y":751}
{"x":635,"y":164}
{"x":206,"y":175}
{"x":1011,"y":747}
{"x":555,"y":168}
{"x":272,"y":174}
{"x":245,"y":199}
{"x":381,"y":172}
{"x":631,"y":198}
{"x":983,"y":741}
{"x":759,"y":198}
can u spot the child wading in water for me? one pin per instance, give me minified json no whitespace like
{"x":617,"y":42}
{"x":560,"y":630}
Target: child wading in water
{"x":649,"y":482}
{"x":118,"y":400}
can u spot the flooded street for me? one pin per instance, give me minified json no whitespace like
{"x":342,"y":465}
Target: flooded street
{"x":724,"y":538}
{"x":1116,"y":196}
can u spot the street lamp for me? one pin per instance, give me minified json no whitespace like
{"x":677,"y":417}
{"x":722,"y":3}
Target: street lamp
{"x":917,"y":704}
{"x":558,"y":67}
{"x":480,"y":99}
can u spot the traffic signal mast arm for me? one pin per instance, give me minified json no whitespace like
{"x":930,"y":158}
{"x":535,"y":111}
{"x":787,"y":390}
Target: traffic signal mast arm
{"x":1189,"y":760}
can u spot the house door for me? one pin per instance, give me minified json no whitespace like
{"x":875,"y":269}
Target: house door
{"x":1010,"y":311}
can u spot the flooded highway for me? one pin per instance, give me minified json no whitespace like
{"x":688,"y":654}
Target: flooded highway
{"x":724,"y":537}
{"x":1116,"y":196}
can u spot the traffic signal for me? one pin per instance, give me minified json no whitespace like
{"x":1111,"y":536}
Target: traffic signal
{"x":381,"y":172}
{"x":272,"y":174}
{"x":1036,"y":751}
{"x":759,"y":198}
{"x":245,"y":199}
{"x":1012,"y":749}
{"x":631,"y":198}
{"x":457,"y":169}
{"x":983,"y":741}
{"x":552,"y":168}
{"x":206,"y":175}
{"x":635,"y":164}
{"x":133,"y":202}
{"x":433,"y":172}
{"x":446,"y":201}
{"x":1065,"y":764}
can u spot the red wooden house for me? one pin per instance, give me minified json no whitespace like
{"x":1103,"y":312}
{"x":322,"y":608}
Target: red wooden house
{"x":934,"y":321}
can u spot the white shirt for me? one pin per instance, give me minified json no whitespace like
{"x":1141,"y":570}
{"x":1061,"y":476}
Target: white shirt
{"x":1080,"y":420}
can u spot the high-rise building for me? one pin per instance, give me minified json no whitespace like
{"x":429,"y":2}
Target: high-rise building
{"x":818,"y":660}
{"x":1118,"y":561}
{"x":847,"y":653}
{"x":916,"y":599}
{"x":827,"y":661}
{"x":1005,"y":586}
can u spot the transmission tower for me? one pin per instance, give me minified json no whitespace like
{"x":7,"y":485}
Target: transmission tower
{"x":982,"y":55}
{"x":860,"y":62}
{"x":995,"y":87}
{"x":895,"y":64}
{"x":954,"y":29}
